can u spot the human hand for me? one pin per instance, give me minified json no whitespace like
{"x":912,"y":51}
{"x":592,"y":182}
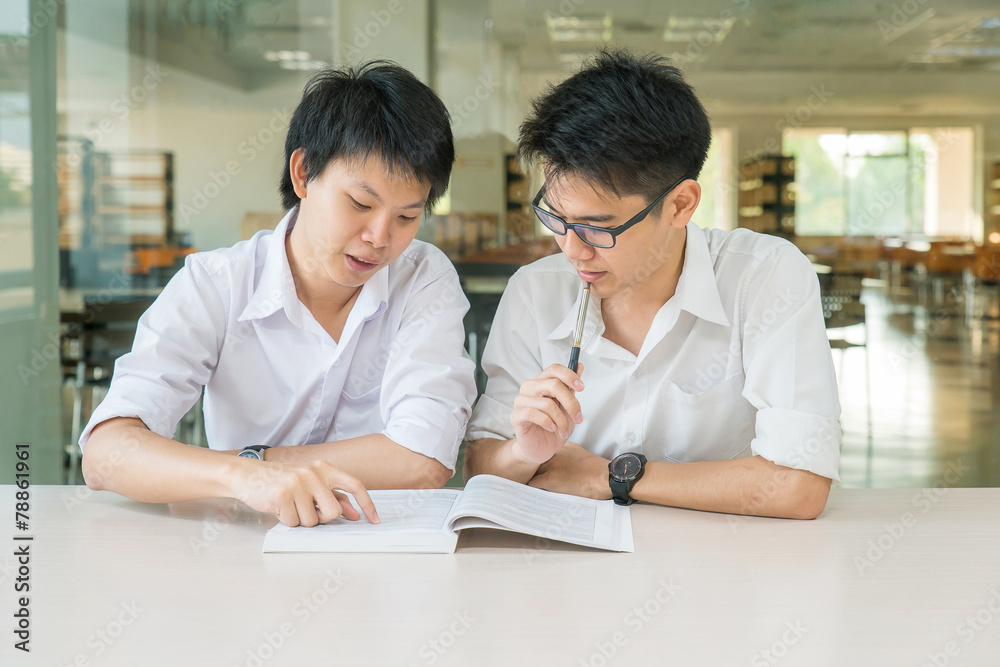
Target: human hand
{"x":301,"y":493}
{"x":545,"y":413}
{"x":574,"y":470}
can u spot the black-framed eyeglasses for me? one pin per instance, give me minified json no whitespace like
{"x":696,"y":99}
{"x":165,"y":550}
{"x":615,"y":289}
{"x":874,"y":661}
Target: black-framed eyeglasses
{"x":599,"y":237}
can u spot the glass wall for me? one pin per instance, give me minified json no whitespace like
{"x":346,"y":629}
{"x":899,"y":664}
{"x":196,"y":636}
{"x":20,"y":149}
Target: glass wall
{"x":29,"y":337}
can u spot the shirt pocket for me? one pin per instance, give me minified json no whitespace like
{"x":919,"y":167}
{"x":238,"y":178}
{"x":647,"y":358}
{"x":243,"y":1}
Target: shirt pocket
{"x":713,"y":425}
{"x":358,"y":413}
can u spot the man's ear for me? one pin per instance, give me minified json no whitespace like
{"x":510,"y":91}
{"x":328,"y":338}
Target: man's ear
{"x":685,"y":200}
{"x":297,"y":169}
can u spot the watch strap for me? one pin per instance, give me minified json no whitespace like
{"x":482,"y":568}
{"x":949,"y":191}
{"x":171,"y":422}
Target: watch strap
{"x":620,"y":492}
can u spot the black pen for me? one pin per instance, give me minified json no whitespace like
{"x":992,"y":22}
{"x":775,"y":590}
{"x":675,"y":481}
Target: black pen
{"x":581,"y":317}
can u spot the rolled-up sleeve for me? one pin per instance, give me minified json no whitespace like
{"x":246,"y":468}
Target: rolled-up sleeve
{"x":510,"y":357}
{"x":790,"y":377}
{"x":429,"y":383}
{"x":175,"y":350}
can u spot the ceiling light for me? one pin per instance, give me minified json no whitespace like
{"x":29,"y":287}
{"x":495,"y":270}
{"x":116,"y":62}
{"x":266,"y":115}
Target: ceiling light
{"x":302,"y":64}
{"x":697,"y":28}
{"x":286,"y":56}
{"x":967,"y":51}
{"x":579,"y":28}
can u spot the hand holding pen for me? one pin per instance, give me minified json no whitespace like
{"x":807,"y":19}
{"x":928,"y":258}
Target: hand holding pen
{"x":546,"y":410}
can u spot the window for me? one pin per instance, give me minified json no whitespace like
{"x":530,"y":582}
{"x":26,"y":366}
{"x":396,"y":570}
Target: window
{"x":884,"y":183}
{"x":716,"y":208}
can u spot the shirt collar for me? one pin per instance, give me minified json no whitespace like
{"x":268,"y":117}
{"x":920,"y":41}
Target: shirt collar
{"x":697,"y":288}
{"x":697,"y":292}
{"x":276,"y":288}
{"x":374,"y":297}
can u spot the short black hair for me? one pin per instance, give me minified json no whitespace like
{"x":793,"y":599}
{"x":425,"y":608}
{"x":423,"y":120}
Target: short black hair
{"x":376,"y":109}
{"x":630,"y":125}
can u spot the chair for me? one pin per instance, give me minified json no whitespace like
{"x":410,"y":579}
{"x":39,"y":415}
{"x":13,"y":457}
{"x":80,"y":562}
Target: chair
{"x":840,"y":295}
{"x":948,"y":265}
{"x":91,"y":342}
{"x":483,"y":284}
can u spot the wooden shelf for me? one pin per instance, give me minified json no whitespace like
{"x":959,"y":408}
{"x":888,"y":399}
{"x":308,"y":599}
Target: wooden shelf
{"x":767,"y":195}
{"x":132,"y":210}
{"x":111,"y":202}
{"x":993,"y":204}
{"x":520,"y":221}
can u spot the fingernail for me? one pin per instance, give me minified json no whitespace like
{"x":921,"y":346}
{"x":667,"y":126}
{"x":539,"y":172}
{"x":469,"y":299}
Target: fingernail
{"x":578,"y":418}
{"x":578,"y":385}
{"x":552,"y":427}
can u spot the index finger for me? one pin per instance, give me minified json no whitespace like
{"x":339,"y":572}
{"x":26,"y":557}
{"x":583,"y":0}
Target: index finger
{"x":565,"y":375}
{"x":344,"y":482}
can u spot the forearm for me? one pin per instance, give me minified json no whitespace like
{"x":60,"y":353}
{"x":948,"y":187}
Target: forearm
{"x":753,"y":486}
{"x":374,"y":459}
{"x":124,"y":456}
{"x":497,"y":457}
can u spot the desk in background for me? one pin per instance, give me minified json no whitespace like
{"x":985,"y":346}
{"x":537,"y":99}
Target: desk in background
{"x":884,"y":577}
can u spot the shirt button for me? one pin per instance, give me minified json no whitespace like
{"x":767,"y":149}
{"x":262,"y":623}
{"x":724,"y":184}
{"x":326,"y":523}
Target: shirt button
{"x":631,"y":438}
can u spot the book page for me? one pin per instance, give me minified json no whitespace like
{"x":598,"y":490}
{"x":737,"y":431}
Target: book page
{"x":412,"y":520}
{"x":413,"y":509}
{"x":525,"y":509}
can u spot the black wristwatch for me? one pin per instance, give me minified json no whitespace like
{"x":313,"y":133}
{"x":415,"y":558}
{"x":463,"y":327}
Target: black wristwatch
{"x":624,"y":471}
{"x":254,"y":452}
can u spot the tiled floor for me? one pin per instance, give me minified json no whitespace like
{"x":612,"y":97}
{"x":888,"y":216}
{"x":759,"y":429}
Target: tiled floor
{"x":935,"y":391}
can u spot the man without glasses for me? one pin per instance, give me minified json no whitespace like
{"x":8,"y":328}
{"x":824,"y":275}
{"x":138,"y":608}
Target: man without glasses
{"x":330,"y":350}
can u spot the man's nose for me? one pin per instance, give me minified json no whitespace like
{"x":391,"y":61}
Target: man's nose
{"x":575,"y":248}
{"x":377,"y":233}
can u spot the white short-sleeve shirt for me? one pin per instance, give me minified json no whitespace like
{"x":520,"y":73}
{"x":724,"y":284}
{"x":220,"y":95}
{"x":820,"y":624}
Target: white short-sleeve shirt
{"x":736,"y":363}
{"x":231,"y":321}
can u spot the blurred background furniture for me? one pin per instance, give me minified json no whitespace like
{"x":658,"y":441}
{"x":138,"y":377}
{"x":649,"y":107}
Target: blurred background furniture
{"x":483,"y":284}
{"x":93,"y":335}
{"x":844,"y":311}
{"x":97,"y":327}
{"x":767,"y":195}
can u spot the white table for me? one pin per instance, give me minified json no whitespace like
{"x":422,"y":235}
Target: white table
{"x":116,"y":582}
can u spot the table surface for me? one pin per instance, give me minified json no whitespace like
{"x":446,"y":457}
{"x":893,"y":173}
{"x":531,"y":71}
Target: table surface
{"x":883,"y":577}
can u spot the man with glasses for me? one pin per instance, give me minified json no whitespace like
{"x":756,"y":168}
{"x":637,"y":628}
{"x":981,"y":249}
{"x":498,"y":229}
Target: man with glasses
{"x":706,"y":379}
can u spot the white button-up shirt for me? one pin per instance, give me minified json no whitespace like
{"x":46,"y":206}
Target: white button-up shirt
{"x":230,"y":321}
{"x":736,"y":363}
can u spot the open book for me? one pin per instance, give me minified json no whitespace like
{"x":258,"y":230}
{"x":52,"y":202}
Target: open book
{"x":428,"y":521}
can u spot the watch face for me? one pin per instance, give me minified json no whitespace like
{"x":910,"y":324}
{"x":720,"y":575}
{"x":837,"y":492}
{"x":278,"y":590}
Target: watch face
{"x":250,"y":454}
{"x":626,"y":466}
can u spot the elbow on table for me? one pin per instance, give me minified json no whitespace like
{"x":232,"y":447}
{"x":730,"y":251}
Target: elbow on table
{"x":100,"y":458}
{"x":92,"y":469}
{"x":809,"y":495}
